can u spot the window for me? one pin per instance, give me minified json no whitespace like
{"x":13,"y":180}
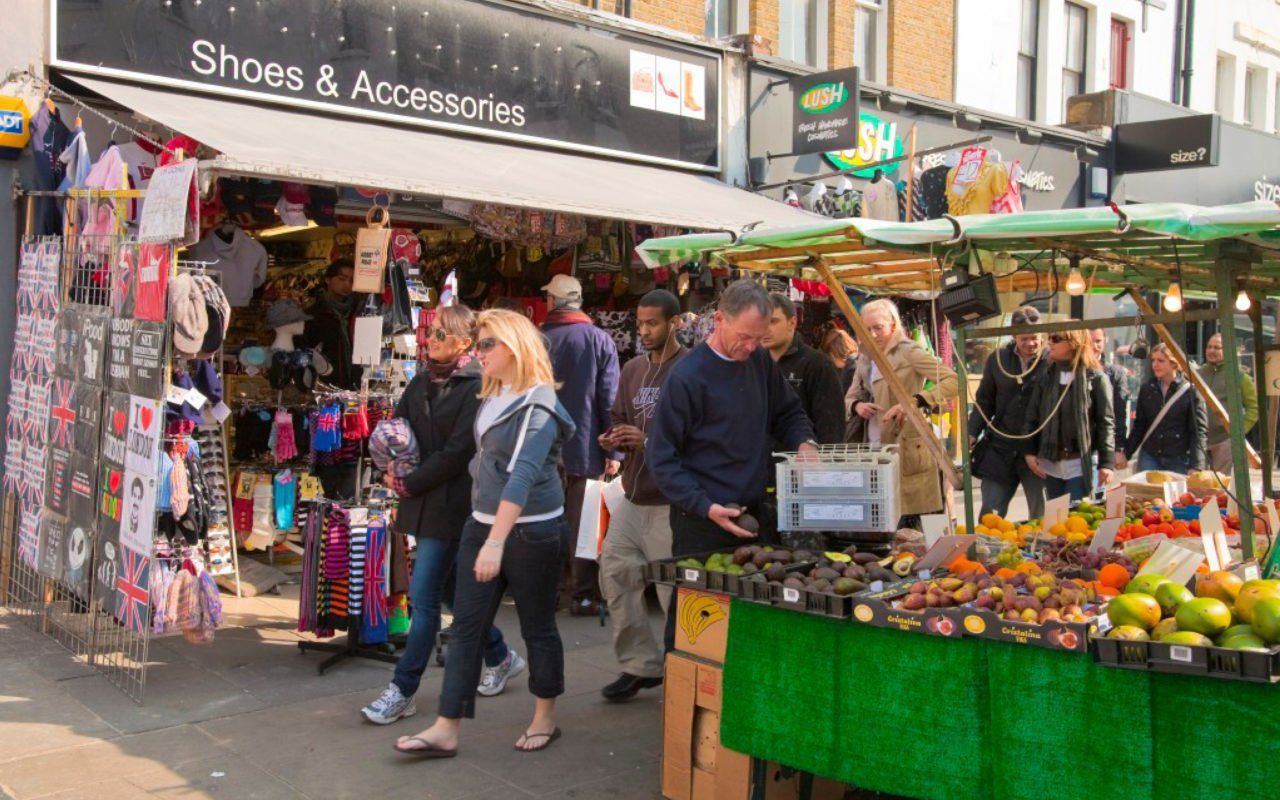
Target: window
{"x":1028,"y":49}
{"x":1076,"y":25}
{"x":1119,"y":54}
{"x":870,"y":29}
{"x":1225,"y":91}
{"x":798,"y":31}
{"x":720,"y":18}
{"x":1254,"y":96}
{"x":1277,"y":111}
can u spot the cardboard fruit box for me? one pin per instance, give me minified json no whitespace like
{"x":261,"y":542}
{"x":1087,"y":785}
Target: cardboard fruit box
{"x":879,"y":607}
{"x":1070,"y":636}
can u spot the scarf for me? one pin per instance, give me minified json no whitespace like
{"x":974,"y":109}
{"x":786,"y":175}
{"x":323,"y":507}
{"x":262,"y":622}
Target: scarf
{"x":440,"y":372}
{"x":567,"y":316}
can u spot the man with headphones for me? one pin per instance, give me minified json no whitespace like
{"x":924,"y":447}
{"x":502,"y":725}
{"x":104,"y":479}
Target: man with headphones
{"x":639,"y":522}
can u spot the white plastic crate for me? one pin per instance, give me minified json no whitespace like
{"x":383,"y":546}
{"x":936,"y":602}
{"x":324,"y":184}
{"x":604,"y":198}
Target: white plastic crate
{"x":870,"y":516}
{"x":841,"y":472}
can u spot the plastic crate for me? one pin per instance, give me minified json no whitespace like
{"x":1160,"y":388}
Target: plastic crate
{"x":810,"y":602}
{"x":872,"y":516}
{"x":841,"y":472}
{"x":1214,"y":662}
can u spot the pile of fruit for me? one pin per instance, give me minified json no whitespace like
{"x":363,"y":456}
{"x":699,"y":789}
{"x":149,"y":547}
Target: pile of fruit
{"x":749,"y":561}
{"x":1223,"y":611}
{"x":1060,"y":556}
{"x":996,"y":526}
{"x":847,"y":572}
{"x":1081,"y":523}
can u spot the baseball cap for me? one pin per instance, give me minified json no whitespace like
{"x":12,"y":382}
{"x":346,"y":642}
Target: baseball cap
{"x":565,"y":287}
{"x":1028,"y":315}
{"x":285,"y":312}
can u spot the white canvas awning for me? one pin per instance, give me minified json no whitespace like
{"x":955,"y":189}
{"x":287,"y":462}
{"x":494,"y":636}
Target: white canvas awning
{"x":291,"y":145}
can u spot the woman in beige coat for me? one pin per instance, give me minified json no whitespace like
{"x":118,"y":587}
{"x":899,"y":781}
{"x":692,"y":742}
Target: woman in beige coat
{"x":919,"y":475}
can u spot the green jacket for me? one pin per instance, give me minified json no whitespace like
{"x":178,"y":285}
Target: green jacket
{"x":1215,"y":375}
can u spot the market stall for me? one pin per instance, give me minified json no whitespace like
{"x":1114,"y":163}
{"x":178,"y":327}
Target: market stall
{"x":1063,"y":656}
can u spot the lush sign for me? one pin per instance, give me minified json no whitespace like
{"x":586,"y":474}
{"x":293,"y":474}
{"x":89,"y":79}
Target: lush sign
{"x":877,"y":140}
{"x":826,"y":107}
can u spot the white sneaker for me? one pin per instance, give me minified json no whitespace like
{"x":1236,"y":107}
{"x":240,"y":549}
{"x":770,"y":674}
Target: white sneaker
{"x":390,"y":706}
{"x":494,"y":679}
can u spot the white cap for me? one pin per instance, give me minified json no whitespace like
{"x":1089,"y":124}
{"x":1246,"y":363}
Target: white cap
{"x":565,"y":287}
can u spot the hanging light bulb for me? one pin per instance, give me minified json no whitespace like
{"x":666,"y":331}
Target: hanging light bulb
{"x":1243,"y":303}
{"x":1173,"y":300}
{"x":1075,"y":283}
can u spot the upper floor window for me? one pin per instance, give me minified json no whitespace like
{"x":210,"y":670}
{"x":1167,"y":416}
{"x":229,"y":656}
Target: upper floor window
{"x":870,"y":31}
{"x":721,"y":18}
{"x":1076,"y":25}
{"x":798,"y":22}
{"x":1028,"y":57}
{"x":1120,"y":39}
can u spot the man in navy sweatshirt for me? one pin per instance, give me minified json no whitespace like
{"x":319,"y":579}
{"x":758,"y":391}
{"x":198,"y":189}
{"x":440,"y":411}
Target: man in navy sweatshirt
{"x":722,"y":406}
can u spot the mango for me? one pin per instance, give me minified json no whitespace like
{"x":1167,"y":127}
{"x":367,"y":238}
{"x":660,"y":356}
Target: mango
{"x":1205,"y":615}
{"x":1171,"y":596}
{"x":1223,"y":585}
{"x":1130,"y":633}
{"x":1145,"y":584}
{"x":1139,"y":610}
{"x":1166,"y":627}
{"x":1251,"y":593}
{"x":1266,"y":619}
{"x":1188,"y":637}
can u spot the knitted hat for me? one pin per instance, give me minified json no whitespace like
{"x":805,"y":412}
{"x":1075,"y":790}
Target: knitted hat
{"x":218,"y":310}
{"x":392,"y":439}
{"x":187,"y":310}
{"x":285,"y":312}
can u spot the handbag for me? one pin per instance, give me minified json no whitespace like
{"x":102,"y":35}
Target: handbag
{"x":594,"y":522}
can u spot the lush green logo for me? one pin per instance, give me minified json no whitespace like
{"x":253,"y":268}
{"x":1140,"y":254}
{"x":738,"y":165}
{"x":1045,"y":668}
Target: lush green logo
{"x":824,"y":98}
{"x":877,"y":140}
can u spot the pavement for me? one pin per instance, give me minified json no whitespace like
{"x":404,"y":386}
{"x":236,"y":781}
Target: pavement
{"x":248,"y":717}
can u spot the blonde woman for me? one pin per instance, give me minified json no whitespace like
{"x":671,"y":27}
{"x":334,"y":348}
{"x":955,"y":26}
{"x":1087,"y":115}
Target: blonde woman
{"x":516,"y":537}
{"x":1171,"y":425}
{"x":1070,"y":411}
{"x":920,"y":477}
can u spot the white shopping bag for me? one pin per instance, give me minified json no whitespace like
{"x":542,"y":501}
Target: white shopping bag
{"x":594,"y":522}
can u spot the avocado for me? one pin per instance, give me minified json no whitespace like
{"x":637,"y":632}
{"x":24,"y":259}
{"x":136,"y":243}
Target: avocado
{"x":742,"y":555}
{"x":826,"y":573}
{"x":776,"y":573}
{"x":748,"y":523}
{"x":847,"y":586}
{"x":793,"y":582}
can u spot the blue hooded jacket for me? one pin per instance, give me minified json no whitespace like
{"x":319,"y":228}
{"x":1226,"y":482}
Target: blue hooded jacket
{"x":585,"y":362}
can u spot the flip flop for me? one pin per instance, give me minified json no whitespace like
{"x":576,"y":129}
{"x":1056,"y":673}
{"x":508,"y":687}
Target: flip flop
{"x":550,"y":737}
{"x":427,"y":750}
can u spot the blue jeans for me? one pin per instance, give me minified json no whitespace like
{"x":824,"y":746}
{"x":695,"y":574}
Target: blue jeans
{"x":996,"y":495}
{"x":1056,"y":487}
{"x":530,"y":568}
{"x":1169,"y":464}
{"x":435,"y":560}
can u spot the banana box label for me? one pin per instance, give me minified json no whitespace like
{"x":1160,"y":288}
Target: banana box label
{"x":702,"y":623}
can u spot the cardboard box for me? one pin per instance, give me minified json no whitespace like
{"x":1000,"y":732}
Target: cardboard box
{"x":1070,"y":636}
{"x":879,"y":608}
{"x":702,"y":623}
{"x":694,"y":764}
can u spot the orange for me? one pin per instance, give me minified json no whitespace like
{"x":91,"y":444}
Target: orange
{"x":1113,"y":576}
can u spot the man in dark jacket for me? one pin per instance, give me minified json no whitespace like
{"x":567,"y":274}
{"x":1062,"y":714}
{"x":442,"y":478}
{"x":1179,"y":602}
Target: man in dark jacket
{"x":585,"y":361}
{"x":330,"y":328}
{"x":999,"y":408}
{"x":809,"y":372}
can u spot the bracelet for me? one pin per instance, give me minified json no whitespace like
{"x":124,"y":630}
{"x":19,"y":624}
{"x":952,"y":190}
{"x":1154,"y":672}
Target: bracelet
{"x":494,"y":543}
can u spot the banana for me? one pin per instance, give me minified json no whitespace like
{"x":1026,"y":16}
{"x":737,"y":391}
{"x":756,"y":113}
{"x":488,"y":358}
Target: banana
{"x":698,"y":614}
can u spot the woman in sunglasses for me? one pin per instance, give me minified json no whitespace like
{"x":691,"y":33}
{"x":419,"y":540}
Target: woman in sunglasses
{"x":440,"y":405}
{"x":516,"y":537}
{"x":1071,"y":419}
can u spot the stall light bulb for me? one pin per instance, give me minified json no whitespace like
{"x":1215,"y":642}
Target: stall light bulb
{"x":1243,"y":303}
{"x":1173,"y":300}
{"x":1075,"y":283}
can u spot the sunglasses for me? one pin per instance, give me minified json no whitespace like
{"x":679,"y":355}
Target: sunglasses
{"x":438,"y":334}
{"x":486,"y":344}
{"x":1057,"y":338}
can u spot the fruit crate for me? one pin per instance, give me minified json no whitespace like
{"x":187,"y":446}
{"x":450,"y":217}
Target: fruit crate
{"x":667,"y":570}
{"x":841,"y":472}
{"x":1072,"y":637}
{"x":755,"y":589}
{"x":809,"y":601}
{"x":875,"y":607}
{"x":1214,"y":662}
{"x":868,"y":516}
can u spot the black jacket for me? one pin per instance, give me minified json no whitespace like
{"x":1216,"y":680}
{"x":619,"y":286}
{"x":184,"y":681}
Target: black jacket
{"x":817,"y":383}
{"x":1004,"y":401}
{"x":332,"y":335}
{"x":1094,"y":419}
{"x":443,"y":420}
{"x":1182,"y":432}
{"x":1119,"y":377}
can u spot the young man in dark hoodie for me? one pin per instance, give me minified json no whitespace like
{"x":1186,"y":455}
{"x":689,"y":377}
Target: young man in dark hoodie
{"x":640,"y":520}
{"x":720,"y":409}
{"x":585,"y":361}
{"x":809,"y":372}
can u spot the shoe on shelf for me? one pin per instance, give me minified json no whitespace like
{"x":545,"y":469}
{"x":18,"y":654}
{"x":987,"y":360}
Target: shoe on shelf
{"x":627,"y":687}
{"x":584,"y":607}
{"x":390,"y":706}
{"x":493,"y":681}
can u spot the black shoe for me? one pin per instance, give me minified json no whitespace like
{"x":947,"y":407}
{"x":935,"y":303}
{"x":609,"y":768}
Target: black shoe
{"x":584,"y":608}
{"x":627,"y":687}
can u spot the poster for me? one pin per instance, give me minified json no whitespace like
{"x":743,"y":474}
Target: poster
{"x":82,"y":499}
{"x":53,"y":531}
{"x":133,"y":589}
{"x":29,"y":533}
{"x":43,"y":346}
{"x":62,"y":413}
{"x":165,"y":211}
{"x":110,"y":496}
{"x":106,"y":558}
{"x":137,"y":524}
{"x":142,"y":448}
{"x":57,"y":492}
{"x":92,"y":345}
{"x":123,"y":279}
{"x":12,"y":464}
{"x":75,"y":562}
{"x":120,"y":354}
{"x":88,"y":424}
{"x":146,"y":359}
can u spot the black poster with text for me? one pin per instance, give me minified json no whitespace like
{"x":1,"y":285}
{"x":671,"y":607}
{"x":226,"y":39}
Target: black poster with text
{"x":147,"y":359}
{"x":120,"y":354}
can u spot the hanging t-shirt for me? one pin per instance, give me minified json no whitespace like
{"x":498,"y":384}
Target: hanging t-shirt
{"x":976,"y":197}
{"x":242,"y":262}
{"x":285,"y":496}
{"x":141,"y":160}
{"x":880,"y":200}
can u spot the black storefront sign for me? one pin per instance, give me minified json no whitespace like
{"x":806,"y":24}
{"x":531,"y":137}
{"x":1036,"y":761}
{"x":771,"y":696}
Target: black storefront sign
{"x":824,"y":111}
{"x":1177,"y":143}
{"x":481,"y":67}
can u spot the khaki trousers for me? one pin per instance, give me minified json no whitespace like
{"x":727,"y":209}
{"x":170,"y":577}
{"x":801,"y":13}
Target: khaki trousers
{"x":1220,"y":457}
{"x":637,"y":535}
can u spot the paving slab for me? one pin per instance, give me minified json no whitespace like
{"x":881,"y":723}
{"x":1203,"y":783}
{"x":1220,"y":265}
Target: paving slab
{"x":224,"y":776}
{"x":37,"y":715}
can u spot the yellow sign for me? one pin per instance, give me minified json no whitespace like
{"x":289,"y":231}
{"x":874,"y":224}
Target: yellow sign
{"x":15,"y":126}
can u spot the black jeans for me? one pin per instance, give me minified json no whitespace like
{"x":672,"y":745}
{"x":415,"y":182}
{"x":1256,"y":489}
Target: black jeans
{"x":692,"y":534}
{"x":530,"y":569}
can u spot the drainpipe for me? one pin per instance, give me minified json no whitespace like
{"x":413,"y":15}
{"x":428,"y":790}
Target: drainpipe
{"x":1188,"y":47}
{"x":1179,"y":31}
